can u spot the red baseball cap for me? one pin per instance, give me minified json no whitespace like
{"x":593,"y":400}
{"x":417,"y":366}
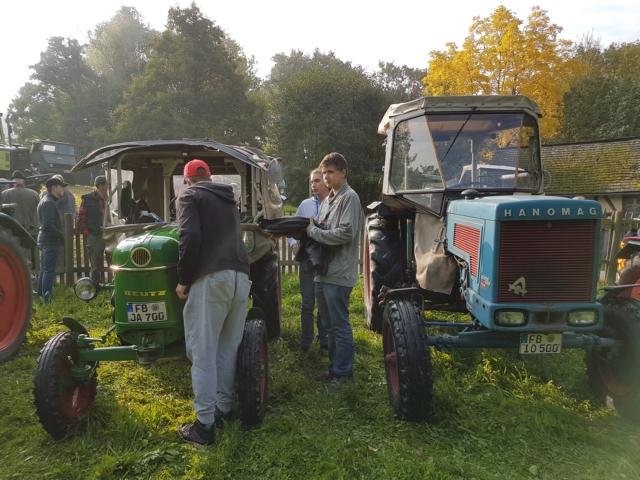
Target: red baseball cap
{"x":196,"y":168}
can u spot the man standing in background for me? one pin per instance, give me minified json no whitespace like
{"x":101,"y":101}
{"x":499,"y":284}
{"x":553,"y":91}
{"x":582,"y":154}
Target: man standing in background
{"x":26,"y":203}
{"x":50,"y":237}
{"x":90,"y":222}
{"x":309,"y":208}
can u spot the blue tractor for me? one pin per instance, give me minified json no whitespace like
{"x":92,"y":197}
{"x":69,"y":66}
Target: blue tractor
{"x":462,"y":226}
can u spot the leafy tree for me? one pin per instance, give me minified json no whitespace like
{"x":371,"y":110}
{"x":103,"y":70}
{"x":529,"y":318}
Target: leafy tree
{"x":604,"y":101}
{"x":196,"y":84}
{"x":63,"y":101}
{"x":501,"y":55}
{"x":401,"y":83}
{"x":318,"y":104}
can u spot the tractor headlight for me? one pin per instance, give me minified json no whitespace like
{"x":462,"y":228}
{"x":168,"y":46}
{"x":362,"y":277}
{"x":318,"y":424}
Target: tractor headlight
{"x":249,"y":240}
{"x":86,"y":289}
{"x":511,"y":318}
{"x":580,"y":318}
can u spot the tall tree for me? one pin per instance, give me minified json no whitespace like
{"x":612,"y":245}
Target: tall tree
{"x":318,"y":104}
{"x":63,"y":101}
{"x":196,"y":84}
{"x":401,"y":83}
{"x":502,"y":55}
{"x":604,"y":101}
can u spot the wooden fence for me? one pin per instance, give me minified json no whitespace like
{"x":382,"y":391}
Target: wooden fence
{"x":75,"y":263}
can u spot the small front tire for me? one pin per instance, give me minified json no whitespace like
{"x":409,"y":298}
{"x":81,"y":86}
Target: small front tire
{"x":407,"y":361}
{"x":61,"y":401}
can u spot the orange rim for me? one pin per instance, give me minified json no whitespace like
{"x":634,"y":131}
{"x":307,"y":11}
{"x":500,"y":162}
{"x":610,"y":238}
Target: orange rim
{"x":14,"y":297}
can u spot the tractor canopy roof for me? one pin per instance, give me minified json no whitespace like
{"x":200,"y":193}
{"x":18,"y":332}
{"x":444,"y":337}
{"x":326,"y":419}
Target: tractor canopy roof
{"x":461,"y":104}
{"x":140,"y":154}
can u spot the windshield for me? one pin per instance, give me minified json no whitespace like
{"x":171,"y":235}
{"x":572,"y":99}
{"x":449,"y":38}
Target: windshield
{"x":490,"y":151}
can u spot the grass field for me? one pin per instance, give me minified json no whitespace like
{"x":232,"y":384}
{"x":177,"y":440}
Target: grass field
{"x":499,"y":416}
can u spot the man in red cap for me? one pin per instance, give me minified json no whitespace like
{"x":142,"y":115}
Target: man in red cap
{"x":213,"y":278}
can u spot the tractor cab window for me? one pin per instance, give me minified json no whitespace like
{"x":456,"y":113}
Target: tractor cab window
{"x":490,"y":151}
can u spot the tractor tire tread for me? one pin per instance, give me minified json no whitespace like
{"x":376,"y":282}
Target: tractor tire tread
{"x":251,"y":372}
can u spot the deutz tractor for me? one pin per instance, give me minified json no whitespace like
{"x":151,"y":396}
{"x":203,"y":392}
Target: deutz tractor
{"x":146,"y":177}
{"x":15,"y":283}
{"x":463,"y":226}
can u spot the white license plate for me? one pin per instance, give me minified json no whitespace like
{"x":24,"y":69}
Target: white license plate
{"x":540,"y":343}
{"x":146,"y":312}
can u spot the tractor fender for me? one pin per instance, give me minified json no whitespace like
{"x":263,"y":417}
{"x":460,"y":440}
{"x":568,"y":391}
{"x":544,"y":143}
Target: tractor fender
{"x":631,"y":247}
{"x":11,"y":224}
{"x":73,"y":325}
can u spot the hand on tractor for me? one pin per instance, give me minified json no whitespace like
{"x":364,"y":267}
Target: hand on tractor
{"x":182,"y":291}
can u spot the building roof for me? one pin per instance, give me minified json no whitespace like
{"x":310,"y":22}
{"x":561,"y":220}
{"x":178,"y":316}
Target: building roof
{"x":593,"y":168}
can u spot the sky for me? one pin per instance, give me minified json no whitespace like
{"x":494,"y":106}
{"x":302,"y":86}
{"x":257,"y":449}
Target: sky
{"x":363,"y":32}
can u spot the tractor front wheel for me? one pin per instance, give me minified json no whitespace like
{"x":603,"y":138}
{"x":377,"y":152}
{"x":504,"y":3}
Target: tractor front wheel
{"x":61,"y":400}
{"x":614,"y":372}
{"x":407,"y":361}
{"x":253,"y":372}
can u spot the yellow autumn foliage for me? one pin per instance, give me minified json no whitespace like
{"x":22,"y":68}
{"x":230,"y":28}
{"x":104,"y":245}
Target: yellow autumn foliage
{"x":504,"y":56}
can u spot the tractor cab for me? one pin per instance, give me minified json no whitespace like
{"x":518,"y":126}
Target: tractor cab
{"x":438,"y":147}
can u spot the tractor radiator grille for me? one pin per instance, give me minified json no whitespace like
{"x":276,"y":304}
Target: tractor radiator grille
{"x":467,"y":239}
{"x":140,"y":257}
{"x":546,"y":261}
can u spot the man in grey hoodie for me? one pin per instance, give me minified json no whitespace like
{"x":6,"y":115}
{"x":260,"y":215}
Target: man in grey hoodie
{"x":340,"y":220}
{"x":213,"y":278}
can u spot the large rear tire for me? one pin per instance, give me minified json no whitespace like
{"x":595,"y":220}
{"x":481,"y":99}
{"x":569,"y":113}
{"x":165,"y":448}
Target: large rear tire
{"x":407,"y":361}
{"x":265,"y":291}
{"x":15,"y":296}
{"x":382,"y":265}
{"x":61,"y":401}
{"x":253,"y":372}
{"x":615,"y":372}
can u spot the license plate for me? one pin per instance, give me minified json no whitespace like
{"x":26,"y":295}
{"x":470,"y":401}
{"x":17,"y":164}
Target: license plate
{"x":146,"y":312}
{"x":540,"y":343}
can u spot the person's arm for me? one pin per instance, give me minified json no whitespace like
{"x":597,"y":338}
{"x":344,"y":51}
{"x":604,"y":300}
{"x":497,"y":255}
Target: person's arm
{"x":345,"y":232}
{"x":190,"y":239}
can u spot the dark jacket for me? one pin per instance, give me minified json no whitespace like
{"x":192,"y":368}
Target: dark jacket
{"x":91,"y":214}
{"x":50,"y":233}
{"x":210,"y":238}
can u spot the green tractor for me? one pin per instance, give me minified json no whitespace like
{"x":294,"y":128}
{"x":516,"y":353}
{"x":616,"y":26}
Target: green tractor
{"x":15,"y":283}
{"x":143,"y":253}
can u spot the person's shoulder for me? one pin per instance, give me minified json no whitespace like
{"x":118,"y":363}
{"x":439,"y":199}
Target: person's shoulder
{"x":307,"y":201}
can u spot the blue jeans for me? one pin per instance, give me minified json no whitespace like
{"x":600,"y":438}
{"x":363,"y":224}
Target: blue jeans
{"x":48,"y":264}
{"x":308,"y":292}
{"x":333,"y":306}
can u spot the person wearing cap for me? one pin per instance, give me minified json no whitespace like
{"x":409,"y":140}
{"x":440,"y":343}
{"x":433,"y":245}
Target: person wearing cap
{"x":213,"y":278}
{"x":26,"y":203}
{"x":50,"y":237}
{"x":90,"y":222}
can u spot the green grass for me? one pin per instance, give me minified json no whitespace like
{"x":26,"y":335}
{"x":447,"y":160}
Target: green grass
{"x":498,"y":416}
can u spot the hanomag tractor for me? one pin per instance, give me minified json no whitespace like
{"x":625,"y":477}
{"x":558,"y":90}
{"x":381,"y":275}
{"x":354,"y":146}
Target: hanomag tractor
{"x":462,"y":227}
{"x":147,"y":315}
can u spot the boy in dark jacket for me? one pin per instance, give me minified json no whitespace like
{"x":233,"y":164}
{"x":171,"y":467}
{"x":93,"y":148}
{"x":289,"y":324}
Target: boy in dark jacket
{"x":213,"y":277}
{"x":50,"y":237}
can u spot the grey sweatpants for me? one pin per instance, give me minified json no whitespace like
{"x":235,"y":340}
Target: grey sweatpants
{"x":214,"y":316}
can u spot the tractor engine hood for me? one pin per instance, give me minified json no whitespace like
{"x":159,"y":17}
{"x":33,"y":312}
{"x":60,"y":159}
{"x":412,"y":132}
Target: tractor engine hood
{"x":526,"y":208}
{"x":156,"y":249}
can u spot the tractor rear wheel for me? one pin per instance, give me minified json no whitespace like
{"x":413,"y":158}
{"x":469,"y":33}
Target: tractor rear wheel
{"x":253,"y":372}
{"x":15,"y":296}
{"x":615,"y":372}
{"x":407,"y":361}
{"x":61,"y":400}
{"x":381,"y":266}
{"x":265,"y":291}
